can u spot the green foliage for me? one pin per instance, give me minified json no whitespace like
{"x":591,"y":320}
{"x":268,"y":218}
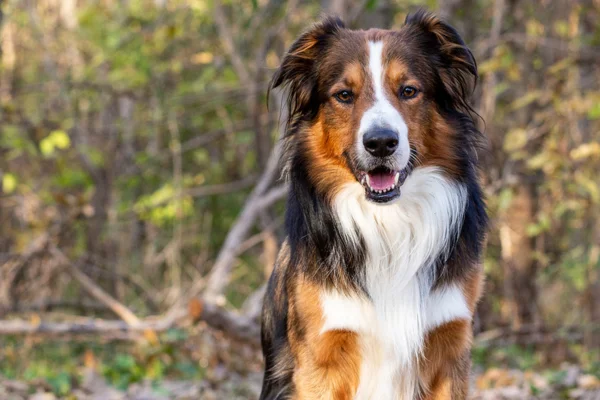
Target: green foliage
{"x":511,"y":356}
{"x":55,"y":140}
{"x":16,"y":143}
{"x":163,"y":206}
{"x":123,"y":370}
{"x":9,"y":183}
{"x":61,"y":364}
{"x":101,"y":120}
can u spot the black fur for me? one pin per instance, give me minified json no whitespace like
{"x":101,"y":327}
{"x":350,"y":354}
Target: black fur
{"x":298,"y":71}
{"x":315,"y":234}
{"x":274,"y":341}
{"x":317,"y":248}
{"x":465,"y":252}
{"x":449,"y":57}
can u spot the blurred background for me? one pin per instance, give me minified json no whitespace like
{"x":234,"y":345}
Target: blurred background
{"x":141,"y":206}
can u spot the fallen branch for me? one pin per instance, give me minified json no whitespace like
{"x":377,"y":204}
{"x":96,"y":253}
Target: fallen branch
{"x":128,"y":280}
{"x":237,"y":326}
{"x":96,"y":291}
{"x":532,"y":334}
{"x":52,"y":305}
{"x":91,"y":325}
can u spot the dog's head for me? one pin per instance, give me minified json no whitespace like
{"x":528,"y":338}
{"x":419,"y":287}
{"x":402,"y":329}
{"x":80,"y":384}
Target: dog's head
{"x":373,"y":105}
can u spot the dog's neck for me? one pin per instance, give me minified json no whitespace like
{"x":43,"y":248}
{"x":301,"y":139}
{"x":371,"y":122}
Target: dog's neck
{"x":354,"y":238}
{"x":416,"y":231}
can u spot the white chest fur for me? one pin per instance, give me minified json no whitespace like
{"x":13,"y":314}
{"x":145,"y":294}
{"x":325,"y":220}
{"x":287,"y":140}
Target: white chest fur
{"x":402,"y":240}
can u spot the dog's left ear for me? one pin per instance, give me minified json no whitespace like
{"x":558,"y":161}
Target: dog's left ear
{"x":298,"y":70}
{"x":451,"y":57}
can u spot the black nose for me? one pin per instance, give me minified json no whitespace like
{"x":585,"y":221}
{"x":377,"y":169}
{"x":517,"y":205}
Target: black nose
{"x":380,"y":142}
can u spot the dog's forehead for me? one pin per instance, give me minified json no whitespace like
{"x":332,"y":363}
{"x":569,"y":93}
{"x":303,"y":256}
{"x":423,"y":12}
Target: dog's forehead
{"x":352,"y":47}
{"x":347,"y":47}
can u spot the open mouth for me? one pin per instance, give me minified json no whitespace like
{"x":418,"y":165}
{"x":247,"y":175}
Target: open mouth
{"x":382,"y":184}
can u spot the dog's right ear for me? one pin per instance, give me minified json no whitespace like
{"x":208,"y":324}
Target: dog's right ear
{"x":449,"y":54}
{"x":297,"y":71}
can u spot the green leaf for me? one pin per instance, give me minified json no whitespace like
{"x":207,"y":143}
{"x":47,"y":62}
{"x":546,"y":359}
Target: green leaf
{"x":515,"y":139}
{"x":371,"y":4}
{"x":9,"y":183}
{"x":124,"y":362}
{"x":188,"y":369}
{"x":61,"y":139}
{"x":538,"y":161}
{"x":72,"y":177}
{"x":505,"y":198}
{"x":526,"y":100}
{"x":590,"y":185}
{"x":55,"y":140}
{"x":537,"y":228}
{"x":594,"y":111}
{"x":61,"y":383}
{"x":46,"y":147}
{"x":562,"y":28}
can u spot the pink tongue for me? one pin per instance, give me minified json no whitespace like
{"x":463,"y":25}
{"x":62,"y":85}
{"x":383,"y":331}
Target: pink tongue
{"x":381,"y":180}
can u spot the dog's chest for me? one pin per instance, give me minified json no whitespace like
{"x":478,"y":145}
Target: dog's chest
{"x":391,"y":329}
{"x":401,"y":243}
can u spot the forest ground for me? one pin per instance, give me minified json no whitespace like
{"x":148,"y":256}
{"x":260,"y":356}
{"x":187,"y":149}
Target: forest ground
{"x":204,"y":364}
{"x":507,"y":385}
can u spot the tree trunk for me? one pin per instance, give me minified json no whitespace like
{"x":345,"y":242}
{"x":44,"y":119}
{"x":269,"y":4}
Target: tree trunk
{"x":517,"y":259}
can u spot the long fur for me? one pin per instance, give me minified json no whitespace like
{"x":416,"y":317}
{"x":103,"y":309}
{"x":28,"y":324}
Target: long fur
{"x":390,"y":273}
{"x":403,"y":241}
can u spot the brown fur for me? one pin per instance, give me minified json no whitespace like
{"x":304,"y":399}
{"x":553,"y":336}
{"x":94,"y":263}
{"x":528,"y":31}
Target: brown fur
{"x":330,"y":140}
{"x":328,"y":364}
{"x":472,"y":287}
{"x":430,"y":56}
{"x":441,"y":365}
{"x":445,"y":365}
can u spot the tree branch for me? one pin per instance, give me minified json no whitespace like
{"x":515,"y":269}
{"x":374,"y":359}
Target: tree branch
{"x":257,"y":201}
{"x":96,"y":291}
{"x":229,"y":43}
{"x":237,"y":326}
{"x":222,"y":188}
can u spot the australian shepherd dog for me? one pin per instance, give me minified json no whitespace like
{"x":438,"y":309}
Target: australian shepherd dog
{"x":374,"y":289}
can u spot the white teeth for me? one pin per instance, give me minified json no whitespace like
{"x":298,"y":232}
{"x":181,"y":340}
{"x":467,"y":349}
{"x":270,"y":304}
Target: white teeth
{"x":366,"y":181}
{"x":383,"y":190}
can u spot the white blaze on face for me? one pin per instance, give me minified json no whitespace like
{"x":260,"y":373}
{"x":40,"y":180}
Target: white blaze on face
{"x":382,"y":113}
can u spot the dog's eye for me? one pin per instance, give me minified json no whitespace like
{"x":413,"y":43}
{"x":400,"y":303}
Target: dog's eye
{"x":345,"y":96}
{"x":408,"y":92}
